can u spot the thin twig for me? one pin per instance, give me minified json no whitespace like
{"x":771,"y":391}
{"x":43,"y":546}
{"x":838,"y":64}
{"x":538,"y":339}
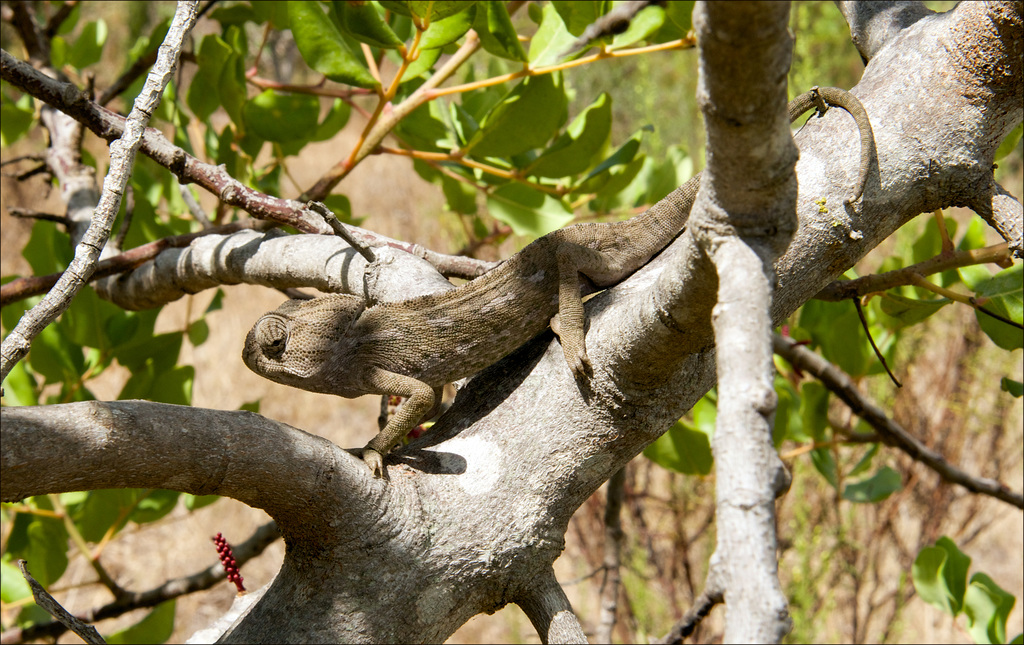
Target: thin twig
{"x":702,"y":606}
{"x":871,"y":339}
{"x":263,"y":537}
{"x":843,"y":289}
{"x":86,"y":632}
{"x":612,"y":580}
{"x":28,"y":213}
{"x":840,"y":384}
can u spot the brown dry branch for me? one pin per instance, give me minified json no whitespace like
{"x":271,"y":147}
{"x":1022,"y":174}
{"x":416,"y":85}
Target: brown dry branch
{"x":840,"y":384}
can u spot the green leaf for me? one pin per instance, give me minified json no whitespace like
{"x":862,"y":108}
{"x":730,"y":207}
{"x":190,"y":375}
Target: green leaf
{"x":198,"y":332}
{"x":323,"y":47}
{"x":204,"y":92}
{"x":88,"y":48}
{"x":836,"y":329}
{"x":987,"y":607}
{"x":280,"y":117}
{"x":525,"y":119}
{"x":251,"y":406}
{"x":47,"y":549}
{"x":1005,"y":296}
{"x":528,"y":211}
{"x":678,"y":21}
{"x":683,"y":450}
{"x":1015,"y":388}
{"x":865,"y":461}
{"x":825,"y":463}
{"x":156,"y":627}
{"x":497,"y":34}
{"x":19,"y":387}
{"x":1010,"y":142}
{"x":13,"y":585}
{"x":363,"y":22}
{"x":48,"y":250}
{"x":100,"y":510}
{"x":448,"y":30}
{"x":879,"y":486}
{"x":196,"y":502}
{"x":908,"y":311}
{"x":551,"y":39}
{"x":432,"y":9}
{"x":217,"y":303}
{"x":787,"y":418}
{"x":153,"y":505}
{"x":162,"y":350}
{"x":55,"y":357}
{"x":940,"y":575}
{"x":572,"y":152}
{"x":646,"y":22}
{"x":814,"y":411}
{"x":16,"y":117}
{"x":578,"y":15}
{"x":335,"y":120}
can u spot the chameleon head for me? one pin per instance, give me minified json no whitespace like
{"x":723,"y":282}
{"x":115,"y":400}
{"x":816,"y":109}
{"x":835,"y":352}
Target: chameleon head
{"x":301,"y":342}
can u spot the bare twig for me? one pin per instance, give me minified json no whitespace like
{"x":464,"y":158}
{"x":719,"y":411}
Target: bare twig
{"x":86,"y":632}
{"x":843,"y":289}
{"x":702,"y":606}
{"x":892,"y":433}
{"x":28,"y":213}
{"x":122,"y":159}
{"x":612,"y":580}
{"x":263,"y":537}
{"x":871,"y":339}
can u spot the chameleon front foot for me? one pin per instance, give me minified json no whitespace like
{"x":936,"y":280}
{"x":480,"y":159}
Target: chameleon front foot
{"x":579,"y":363}
{"x":375,"y":461}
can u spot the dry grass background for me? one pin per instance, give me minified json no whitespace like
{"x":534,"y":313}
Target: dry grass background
{"x":845,"y":566}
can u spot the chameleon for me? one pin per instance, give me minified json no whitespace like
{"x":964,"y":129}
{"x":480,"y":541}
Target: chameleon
{"x":340,"y":344}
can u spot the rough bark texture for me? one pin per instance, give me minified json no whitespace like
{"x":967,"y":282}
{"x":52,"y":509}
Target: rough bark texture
{"x":477,"y":512}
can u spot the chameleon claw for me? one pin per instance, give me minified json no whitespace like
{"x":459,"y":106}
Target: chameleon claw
{"x":375,"y":461}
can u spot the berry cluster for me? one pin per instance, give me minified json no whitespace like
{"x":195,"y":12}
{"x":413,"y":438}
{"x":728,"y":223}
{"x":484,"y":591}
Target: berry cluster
{"x":228,"y":560}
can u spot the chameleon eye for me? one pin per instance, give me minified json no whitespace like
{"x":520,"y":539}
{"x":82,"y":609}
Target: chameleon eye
{"x":272,"y":336}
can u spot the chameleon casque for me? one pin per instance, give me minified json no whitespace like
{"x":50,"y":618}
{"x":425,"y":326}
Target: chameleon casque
{"x":338,"y":344}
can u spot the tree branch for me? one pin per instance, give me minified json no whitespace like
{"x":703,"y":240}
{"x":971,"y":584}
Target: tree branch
{"x":122,"y":158}
{"x":549,"y":610}
{"x":21,"y":288}
{"x":892,"y":433}
{"x":743,"y":218}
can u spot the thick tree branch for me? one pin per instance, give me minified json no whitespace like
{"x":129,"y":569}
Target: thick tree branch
{"x":21,"y":288}
{"x":840,"y":384}
{"x":138,"y":444}
{"x":1003,"y":213}
{"x":122,"y":158}
{"x":874,"y":24}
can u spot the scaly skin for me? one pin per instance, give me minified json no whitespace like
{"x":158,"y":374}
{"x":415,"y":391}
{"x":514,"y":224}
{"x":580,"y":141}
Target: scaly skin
{"x":335,"y":344}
